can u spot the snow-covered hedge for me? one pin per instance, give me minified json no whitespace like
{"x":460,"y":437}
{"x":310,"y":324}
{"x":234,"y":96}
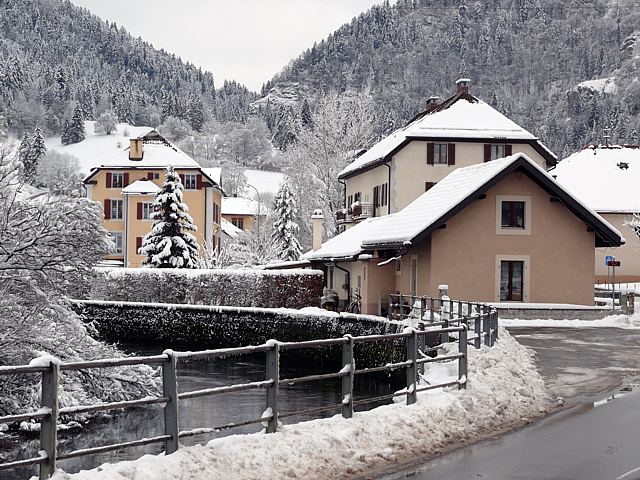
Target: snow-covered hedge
{"x":242,"y":287}
{"x":203,"y":327}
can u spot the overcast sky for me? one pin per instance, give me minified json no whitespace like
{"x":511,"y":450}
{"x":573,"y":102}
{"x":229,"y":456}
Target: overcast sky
{"x":244,"y":40}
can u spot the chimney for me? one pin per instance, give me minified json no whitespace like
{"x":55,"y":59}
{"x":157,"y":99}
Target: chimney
{"x":317,"y":218}
{"x":135,"y":149}
{"x":432,"y":102}
{"x":462,"y":85}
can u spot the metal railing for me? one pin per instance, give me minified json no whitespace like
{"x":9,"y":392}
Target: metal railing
{"x":480,"y":318}
{"x":417,"y":355}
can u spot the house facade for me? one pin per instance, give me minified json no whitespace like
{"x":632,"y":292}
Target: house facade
{"x":243,"y":213}
{"x":457,"y":132}
{"x":500,"y":231}
{"x":606,"y":178}
{"x":126,"y":185}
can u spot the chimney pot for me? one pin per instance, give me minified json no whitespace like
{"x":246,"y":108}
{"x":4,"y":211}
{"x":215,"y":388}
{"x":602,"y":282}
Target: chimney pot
{"x":462,"y":85}
{"x":432,"y":102}
{"x":135,"y":149}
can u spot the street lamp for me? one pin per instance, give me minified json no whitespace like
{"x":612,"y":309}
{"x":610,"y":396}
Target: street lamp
{"x":259,"y":205}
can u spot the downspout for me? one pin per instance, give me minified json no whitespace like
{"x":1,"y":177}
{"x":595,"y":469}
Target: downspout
{"x":344,"y":193}
{"x":388,"y":189}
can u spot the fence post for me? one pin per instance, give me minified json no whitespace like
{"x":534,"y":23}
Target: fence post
{"x":462,"y":361}
{"x":347,"y":379}
{"x":273,"y":373}
{"x":460,"y":314}
{"x":422,"y":346}
{"x":477,"y":331}
{"x":401,"y":308}
{"x":412,"y":371}
{"x":495,"y":324}
{"x":451,"y":317}
{"x":170,"y":391}
{"x":49,"y":425}
{"x":390,"y":308}
{"x":486,"y":326}
{"x":432,"y":306}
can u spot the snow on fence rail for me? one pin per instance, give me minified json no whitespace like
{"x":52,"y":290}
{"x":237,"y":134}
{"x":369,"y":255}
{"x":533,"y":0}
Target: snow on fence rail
{"x":421,"y":348}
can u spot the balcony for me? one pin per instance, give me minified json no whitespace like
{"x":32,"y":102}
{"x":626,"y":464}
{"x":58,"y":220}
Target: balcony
{"x":344,"y":216}
{"x":362,"y":210}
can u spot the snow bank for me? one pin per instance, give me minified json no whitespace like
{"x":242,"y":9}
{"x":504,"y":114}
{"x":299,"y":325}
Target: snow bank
{"x":504,"y":390}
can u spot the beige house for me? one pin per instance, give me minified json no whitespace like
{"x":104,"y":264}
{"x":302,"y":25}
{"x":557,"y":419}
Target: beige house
{"x":457,"y":132}
{"x":243,"y":213}
{"x":607,"y":179}
{"x":500,"y":231}
{"x":125,"y":186}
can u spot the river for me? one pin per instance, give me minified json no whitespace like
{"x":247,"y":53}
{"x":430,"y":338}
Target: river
{"x":207,"y":411}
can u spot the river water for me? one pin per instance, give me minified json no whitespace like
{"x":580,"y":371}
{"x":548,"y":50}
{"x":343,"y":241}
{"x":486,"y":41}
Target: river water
{"x":210,"y":411}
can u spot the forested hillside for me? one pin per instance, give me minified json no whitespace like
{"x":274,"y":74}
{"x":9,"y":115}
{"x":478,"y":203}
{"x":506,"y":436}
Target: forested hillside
{"x":55,"y":55}
{"x":525,"y":57}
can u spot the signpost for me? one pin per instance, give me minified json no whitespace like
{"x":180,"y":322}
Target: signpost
{"x":612,"y":263}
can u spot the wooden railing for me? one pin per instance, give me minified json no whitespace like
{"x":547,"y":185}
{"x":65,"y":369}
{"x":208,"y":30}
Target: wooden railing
{"x":418,"y":353}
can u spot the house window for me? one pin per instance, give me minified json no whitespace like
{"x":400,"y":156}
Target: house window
{"x":441,"y":153}
{"x":216,"y":213}
{"x":117,"y":180}
{"x":117,"y":239}
{"x":513,"y":214}
{"x":116,"y":210}
{"x":385,"y":194}
{"x":349,"y":201}
{"x":414,"y":275}
{"x":511,"y":281}
{"x":147,"y":210}
{"x":399,"y":266}
{"x":190,"y":181}
{"x":497,"y":151}
{"x":330,"y":278}
{"x":238,"y":222}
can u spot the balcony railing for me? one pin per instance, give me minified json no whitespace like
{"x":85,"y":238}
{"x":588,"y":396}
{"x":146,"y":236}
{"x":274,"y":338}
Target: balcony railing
{"x":362,"y":210}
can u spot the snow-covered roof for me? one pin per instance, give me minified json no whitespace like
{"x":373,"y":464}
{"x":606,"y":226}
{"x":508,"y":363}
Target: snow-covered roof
{"x":465,"y":117}
{"x":157,"y":152}
{"x":241,"y":206}
{"x":264,"y":181}
{"x":141,"y":187}
{"x":229,"y":229}
{"x":214,"y":174}
{"x":346,"y":245}
{"x":440,"y":203}
{"x":605,"y":178}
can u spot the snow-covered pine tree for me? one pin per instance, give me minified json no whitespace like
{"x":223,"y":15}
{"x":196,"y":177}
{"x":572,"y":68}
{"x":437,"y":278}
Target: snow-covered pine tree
{"x":36,"y":151}
{"x":285,"y":228}
{"x":23,"y":150}
{"x":169,"y":243}
{"x":73,"y":131}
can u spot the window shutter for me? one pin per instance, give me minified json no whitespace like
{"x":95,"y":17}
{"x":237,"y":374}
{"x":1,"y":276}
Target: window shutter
{"x":199,"y":182}
{"x":508,"y":150}
{"x":487,"y":152}
{"x":149,"y":175}
{"x":107,"y":209}
{"x":138,"y":243}
{"x":182,"y":178}
{"x":429,"y":153}
{"x":108,"y":179}
{"x":428,"y":186}
{"x":139,"y":206}
{"x":375,"y":196}
{"x":451,"y":153}
{"x":126,"y":179}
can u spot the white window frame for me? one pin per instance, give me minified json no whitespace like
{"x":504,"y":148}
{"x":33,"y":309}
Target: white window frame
{"x":147,"y":207}
{"x":115,"y":236}
{"x":500,"y":230}
{"x":526,"y":276}
{"x":118,"y":175}
{"x":441,"y":154}
{"x":190,"y":179}
{"x":114,"y":202}
{"x":498,"y":150}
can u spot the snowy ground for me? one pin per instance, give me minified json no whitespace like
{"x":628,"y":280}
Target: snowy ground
{"x":504,"y":391}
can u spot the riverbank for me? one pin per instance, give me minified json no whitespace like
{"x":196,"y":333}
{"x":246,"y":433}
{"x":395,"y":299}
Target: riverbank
{"x":504,"y":389}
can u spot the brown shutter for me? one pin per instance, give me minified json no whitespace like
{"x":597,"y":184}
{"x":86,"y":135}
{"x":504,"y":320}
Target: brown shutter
{"x":429,"y":153}
{"x":107,"y":209}
{"x":149,"y":175}
{"x":126,"y":179}
{"x":451,"y":153}
{"x":108,"y":179}
{"x":508,"y":150}
{"x":487,"y":152}
{"x":182,"y":178}
{"x":199,"y":182}
{"x":138,"y":243}
{"x":428,"y":186}
{"x":139,"y":206}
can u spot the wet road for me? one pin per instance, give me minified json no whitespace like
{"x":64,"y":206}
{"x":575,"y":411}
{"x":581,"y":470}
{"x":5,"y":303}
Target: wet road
{"x":582,"y":442}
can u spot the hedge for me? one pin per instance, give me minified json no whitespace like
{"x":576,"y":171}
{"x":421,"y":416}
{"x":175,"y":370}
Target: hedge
{"x":244,"y":288}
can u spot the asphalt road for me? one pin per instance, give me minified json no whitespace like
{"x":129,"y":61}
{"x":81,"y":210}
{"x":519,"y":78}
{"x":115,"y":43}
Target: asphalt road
{"x":584,"y":442}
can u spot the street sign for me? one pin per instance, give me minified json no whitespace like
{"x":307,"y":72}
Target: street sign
{"x":613,"y":263}
{"x":607,"y":259}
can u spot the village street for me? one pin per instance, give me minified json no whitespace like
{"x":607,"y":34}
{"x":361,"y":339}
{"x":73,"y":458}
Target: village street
{"x":585,"y":441}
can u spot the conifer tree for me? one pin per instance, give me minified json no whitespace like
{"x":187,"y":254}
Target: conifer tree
{"x":73,"y":131}
{"x":23,"y":150}
{"x":285,"y":228}
{"x":169,"y":243}
{"x":195,"y":113}
{"x":36,"y":150}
